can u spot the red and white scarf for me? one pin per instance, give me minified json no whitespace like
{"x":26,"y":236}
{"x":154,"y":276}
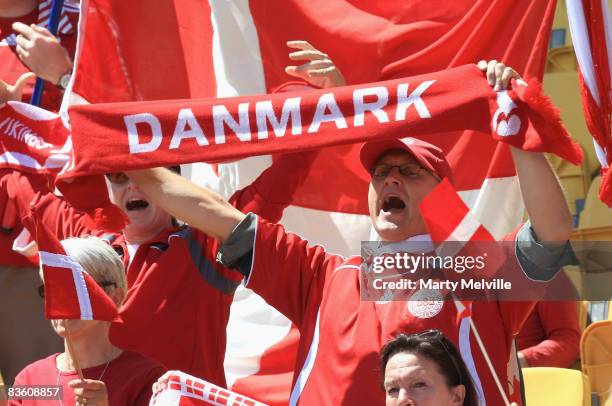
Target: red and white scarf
{"x":123,"y":136}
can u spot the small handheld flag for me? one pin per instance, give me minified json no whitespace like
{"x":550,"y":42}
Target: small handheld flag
{"x":70,"y":292}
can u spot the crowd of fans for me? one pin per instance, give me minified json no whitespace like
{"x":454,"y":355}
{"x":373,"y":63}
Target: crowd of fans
{"x":211,"y":246}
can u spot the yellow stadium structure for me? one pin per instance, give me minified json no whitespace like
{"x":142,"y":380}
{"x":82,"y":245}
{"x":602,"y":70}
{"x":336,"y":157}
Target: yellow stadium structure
{"x":556,"y":387}
{"x":596,"y":359}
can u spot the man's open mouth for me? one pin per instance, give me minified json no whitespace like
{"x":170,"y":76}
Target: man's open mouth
{"x":136,"y":204}
{"x":393,"y":203}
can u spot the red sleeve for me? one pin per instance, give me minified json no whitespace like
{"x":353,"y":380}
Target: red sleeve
{"x":273,"y":190}
{"x":287,"y":273}
{"x":56,"y":213}
{"x":561,"y":345}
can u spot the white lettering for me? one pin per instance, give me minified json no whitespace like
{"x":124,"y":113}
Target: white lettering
{"x":327,"y":102}
{"x":14,"y":128}
{"x":404,"y":101}
{"x":134,"y":142}
{"x":439,"y":285}
{"x":265,"y":113}
{"x":374,"y":107}
{"x":241,"y":127}
{"x":186,"y":118}
{"x":6,"y":122}
{"x":21,"y":132}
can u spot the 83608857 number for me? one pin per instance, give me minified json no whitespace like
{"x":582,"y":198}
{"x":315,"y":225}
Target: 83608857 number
{"x":34,"y":392}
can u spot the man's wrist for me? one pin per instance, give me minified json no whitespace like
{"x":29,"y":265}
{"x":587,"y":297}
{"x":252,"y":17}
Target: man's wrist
{"x":64,"y":80}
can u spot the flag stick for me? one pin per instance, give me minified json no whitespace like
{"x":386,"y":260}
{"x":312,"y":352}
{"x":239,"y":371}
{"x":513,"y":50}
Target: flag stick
{"x":54,"y":18}
{"x":489,"y":363}
{"x":459,"y":305}
{"x":71,"y":351}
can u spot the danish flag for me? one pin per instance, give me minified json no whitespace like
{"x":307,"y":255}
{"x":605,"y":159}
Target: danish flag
{"x":70,"y":292}
{"x":186,"y":390}
{"x":452,"y":226}
{"x":464,"y":309}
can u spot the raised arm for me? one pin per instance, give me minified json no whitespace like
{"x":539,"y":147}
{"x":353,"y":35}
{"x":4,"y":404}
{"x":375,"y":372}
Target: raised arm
{"x":543,"y":197}
{"x":542,"y":194}
{"x":277,"y":265}
{"x":199,"y":207}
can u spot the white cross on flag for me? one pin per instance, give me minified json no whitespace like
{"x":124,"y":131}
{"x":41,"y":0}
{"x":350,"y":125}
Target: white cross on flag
{"x":70,"y":292}
{"x":455,"y":230}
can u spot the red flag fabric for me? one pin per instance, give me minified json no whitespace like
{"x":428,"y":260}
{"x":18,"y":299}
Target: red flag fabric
{"x":136,"y":51}
{"x":402,"y":40}
{"x":70,"y":292}
{"x":186,"y":390}
{"x":591,"y":28}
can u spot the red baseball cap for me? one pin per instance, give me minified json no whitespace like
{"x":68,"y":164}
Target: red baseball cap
{"x":427,"y":155}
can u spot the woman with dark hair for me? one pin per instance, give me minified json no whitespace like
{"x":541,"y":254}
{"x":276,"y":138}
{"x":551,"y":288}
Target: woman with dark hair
{"x":425,"y":369}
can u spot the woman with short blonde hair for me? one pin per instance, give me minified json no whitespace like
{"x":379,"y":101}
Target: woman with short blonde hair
{"x":112,"y":376}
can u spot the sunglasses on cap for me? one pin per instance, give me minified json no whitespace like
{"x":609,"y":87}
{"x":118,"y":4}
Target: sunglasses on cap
{"x":437,"y":336}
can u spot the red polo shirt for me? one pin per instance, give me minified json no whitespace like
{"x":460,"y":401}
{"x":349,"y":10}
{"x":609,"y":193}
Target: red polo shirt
{"x":341,"y":334}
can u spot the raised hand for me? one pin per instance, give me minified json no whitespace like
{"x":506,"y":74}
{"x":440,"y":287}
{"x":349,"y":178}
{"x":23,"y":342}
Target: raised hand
{"x":89,"y":392}
{"x":319,"y":70}
{"x":498,"y":74}
{"x":40,"y":51}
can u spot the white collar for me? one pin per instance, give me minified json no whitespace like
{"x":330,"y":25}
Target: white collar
{"x":420,"y":243}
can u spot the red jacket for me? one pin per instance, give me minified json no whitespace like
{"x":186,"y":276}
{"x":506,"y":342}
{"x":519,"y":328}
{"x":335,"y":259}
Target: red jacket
{"x":550,"y":336}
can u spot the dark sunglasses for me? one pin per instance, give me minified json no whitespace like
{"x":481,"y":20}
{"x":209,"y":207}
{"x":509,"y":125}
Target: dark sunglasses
{"x":120,"y":178}
{"x":117,"y":178}
{"x":437,"y":336}
{"x":410,"y":170}
{"x":41,"y":288}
